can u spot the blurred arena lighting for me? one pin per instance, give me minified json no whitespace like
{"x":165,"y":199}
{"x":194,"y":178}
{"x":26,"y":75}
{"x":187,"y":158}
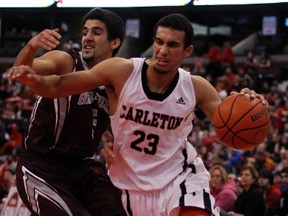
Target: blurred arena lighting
{"x":236,"y":2}
{"x":92,"y":3}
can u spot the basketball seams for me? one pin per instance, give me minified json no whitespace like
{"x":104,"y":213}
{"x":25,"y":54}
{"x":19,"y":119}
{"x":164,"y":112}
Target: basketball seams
{"x":230,"y":129}
{"x":235,"y":135}
{"x":246,"y":114}
{"x":229,"y":116}
{"x":228,"y":119}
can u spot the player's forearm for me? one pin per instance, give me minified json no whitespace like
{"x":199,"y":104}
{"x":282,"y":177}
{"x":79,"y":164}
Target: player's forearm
{"x":47,"y":86}
{"x":54,"y":86}
{"x":25,"y":56}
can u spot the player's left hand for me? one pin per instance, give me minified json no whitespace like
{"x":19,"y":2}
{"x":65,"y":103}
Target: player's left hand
{"x":23,"y":74}
{"x":108,"y":155}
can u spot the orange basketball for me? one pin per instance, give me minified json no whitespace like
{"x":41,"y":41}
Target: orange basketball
{"x":241,"y":123}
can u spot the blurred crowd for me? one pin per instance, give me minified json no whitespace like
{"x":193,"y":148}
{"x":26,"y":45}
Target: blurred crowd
{"x":251,"y":182}
{"x":233,"y":172}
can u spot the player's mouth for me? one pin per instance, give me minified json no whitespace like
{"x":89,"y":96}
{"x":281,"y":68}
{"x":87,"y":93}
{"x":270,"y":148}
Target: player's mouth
{"x":162,"y":61}
{"x":88,"y":47}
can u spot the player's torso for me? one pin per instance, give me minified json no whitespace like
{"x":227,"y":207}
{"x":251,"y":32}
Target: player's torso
{"x":150,"y":131}
{"x":71,"y":125}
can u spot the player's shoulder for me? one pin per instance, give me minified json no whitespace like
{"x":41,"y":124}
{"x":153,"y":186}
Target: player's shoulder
{"x":121,"y":65}
{"x":118,"y":61}
{"x":199,"y":80}
{"x":203,"y":89}
{"x":57,"y":53}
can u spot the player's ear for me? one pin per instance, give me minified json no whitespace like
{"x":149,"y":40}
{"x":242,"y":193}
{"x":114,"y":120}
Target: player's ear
{"x":188,"y":51}
{"x":115,"y":43}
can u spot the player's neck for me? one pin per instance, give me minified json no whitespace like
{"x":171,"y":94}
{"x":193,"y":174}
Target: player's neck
{"x":158,"y":83}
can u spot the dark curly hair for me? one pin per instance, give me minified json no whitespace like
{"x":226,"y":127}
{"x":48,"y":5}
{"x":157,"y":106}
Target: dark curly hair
{"x":113,"y":22}
{"x":179,"y":22}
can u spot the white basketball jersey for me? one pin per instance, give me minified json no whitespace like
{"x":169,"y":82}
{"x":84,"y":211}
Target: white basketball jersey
{"x":150,"y":131}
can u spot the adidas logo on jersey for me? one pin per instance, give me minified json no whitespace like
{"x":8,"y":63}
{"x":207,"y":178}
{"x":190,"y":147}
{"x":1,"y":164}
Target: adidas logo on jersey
{"x":180,"y":101}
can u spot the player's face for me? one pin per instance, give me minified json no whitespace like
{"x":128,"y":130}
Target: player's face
{"x":95,"y":44}
{"x":168,"y":49}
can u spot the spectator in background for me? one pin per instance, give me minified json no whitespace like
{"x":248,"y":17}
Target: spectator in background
{"x":14,"y":141}
{"x":272,"y":192}
{"x":3,"y":168}
{"x":284,"y":191}
{"x":264,"y":62}
{"x":4,"y":92}
{"x":264,"y":65}
{"x":251,"y":201}
{"x":281,"y":115}
{"x":3,"y":133}
{"x":227,"y":58}
{"x":272,"y":93}
{"x":251,"y":64}
{"x":283,"y":158}
{"x":222,"y":188}
{"x":214,"y":62}
{"x":196,"y":136}
{"x":283,"y":142}
{"x":199,"y":67}
{"x":229,"y":158}
{"x":285,"y":130}
{"x":10,"y":179}
{"x":262,"y":158}
{"x":208,"y":139}
{"x":221,"y":86}
{"x":277,"y":177}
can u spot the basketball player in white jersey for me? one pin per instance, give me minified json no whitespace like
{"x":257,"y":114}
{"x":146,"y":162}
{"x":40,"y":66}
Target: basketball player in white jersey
{"x":152,"y":105}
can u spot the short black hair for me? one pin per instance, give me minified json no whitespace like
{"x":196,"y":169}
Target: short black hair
{"x":179,"y":22}
{"x":284,"y":170}
{"x":113,"y":22}
{"x":265,"y":173}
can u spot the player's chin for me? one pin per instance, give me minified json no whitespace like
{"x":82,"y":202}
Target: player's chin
{"x":160,"y":70}
{"x":86,"y":51}
{"x":88,"y":56}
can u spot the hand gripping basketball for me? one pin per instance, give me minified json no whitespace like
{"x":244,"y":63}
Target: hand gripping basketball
{"x":241,"y":123}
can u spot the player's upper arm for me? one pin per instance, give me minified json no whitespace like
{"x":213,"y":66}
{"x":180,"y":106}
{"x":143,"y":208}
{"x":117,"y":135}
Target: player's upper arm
{"x":112,"y":72}
{"x":207,"y":98}
{"x":53,"y":62}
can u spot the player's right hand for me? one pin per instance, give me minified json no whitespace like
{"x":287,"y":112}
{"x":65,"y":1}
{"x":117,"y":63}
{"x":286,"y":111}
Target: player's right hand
{"x":48,"y":39}
{"x":108,"y":155}
{"x":23,"y":74}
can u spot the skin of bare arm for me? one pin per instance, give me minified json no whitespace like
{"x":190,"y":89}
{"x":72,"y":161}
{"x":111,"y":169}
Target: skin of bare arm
{"x":53,"y":62}
{"x":206,"y":96}
{"x":111,"y":72}
{"x":48,"y":39}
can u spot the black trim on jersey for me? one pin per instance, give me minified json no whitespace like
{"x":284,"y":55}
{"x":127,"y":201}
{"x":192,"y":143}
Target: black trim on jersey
{"x":206,"y":197}
{"x":128,"y":203}
{"x":186,"y":165}
{"x":183,"y":192}
{"x":154,"y":95}
{"x":207,"y":201}
{"x":77,"y":59}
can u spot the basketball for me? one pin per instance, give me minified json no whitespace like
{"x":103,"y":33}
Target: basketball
{"x":241,"y":123}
